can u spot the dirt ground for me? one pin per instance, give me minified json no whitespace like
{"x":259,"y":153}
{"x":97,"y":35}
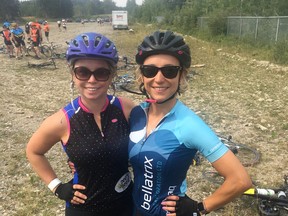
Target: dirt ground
{"x":235,"y":94}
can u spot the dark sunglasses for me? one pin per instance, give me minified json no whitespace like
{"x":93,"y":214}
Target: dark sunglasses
{"x":84,"y":74}
{"x":168,"y":72}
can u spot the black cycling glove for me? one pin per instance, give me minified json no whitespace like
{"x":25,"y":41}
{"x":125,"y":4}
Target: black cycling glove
{"x":187,"y":207}
{"x":65,"y":191}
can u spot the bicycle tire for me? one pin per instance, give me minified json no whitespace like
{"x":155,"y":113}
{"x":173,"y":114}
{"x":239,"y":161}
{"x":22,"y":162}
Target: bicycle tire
{"x":30,"y":51}
{"x":247,"y":155}
{"x":213,"y":177}
{"x":267,"y":209}
{"x":45,"y":50}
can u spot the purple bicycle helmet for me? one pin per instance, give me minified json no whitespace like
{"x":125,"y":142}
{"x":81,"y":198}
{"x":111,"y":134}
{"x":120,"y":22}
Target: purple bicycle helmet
{"x":164,"y":43}
{"x":91,"y":45}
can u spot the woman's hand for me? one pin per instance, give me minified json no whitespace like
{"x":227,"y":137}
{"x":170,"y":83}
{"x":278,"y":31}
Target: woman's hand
{"x":170,"y":205}
{"x":71,"y":193}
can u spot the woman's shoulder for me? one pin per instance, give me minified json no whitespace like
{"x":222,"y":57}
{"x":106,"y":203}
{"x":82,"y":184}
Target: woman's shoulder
{"x":127,"y":105}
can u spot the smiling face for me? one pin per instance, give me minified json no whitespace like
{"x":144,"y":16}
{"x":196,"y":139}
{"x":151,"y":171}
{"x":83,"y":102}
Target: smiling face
{"x":158,"y":87}
{"x":92,"y":89}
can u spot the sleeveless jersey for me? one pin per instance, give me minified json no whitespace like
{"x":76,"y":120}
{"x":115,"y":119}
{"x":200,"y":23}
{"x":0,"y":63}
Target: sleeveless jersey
{"x":35,"y":36}
{"x":100,"y":157}
{"x":6,"y":35}
{"x":160,"y":161}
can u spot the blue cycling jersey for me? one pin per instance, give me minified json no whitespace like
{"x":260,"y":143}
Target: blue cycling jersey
{"x":160,"y":161}
{"x":17,"y":31}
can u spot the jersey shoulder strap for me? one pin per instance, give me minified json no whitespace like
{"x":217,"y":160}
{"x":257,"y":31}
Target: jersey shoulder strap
{"x":115,"y":101}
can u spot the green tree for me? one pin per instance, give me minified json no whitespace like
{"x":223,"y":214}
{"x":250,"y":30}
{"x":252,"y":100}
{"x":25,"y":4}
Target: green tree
{"x":9,"y":10}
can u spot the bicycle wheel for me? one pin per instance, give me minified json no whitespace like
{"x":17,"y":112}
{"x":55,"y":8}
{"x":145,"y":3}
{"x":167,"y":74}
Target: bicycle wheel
{"x":213,"y":177}
{"x":45,"y":50}
{"x":30,"y":51}
{"x":267,"y":208}
{"x":247,"y":155}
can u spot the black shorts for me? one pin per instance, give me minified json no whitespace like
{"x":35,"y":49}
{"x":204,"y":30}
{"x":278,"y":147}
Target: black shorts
{"x":19,"y":42}
{"x":8,"y":43}
{"x":35,"y":43}
{"x":46,"y":34}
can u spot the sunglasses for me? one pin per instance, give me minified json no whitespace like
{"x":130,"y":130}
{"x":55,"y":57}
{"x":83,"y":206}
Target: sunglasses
{"x":84,"y":74}
{"x":168,"y":72}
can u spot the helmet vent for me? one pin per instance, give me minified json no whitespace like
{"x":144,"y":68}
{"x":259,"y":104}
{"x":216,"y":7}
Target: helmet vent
{"x":152,"y":41}
{"x":108,"y":44}
{"x":75,"y":43}
{"x":86,"y":40}
{"x":97,"y":41}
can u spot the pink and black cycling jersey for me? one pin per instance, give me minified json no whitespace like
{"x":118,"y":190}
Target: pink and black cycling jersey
{"x":100,"y":157}
{"x":161,"y":160}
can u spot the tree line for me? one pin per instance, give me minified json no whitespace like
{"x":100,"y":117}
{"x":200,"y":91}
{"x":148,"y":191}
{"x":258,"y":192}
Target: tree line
{"x":183,"y":11}
{"x":13,"y":9}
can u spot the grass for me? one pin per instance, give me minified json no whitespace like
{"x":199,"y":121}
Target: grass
{"x":230,"y":93}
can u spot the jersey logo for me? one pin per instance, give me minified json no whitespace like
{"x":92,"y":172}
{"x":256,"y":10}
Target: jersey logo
{"x":123,"y":182}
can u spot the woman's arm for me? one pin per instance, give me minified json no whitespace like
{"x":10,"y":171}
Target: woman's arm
{"x":51,"y":131}
{"x":127,"y":105}
{"x":236,"y":182}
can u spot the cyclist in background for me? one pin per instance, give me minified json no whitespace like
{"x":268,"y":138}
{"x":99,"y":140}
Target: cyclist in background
{"x":46,"y":30}
{"x":27,"y":30}
{"x":18,"y":39}
{"x":59,"y":25}
{"x":7,"y":24}
{"x":93,"y":130}
{"x":6,"y":34}
{"x":64,"y":25}
{"x":166,"y":134}
{"x":36,"y":38}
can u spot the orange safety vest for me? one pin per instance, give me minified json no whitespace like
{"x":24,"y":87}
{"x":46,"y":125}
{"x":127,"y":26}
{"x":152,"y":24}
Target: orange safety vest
{"x":7,"y":34}
{"x":34,"y":34}
{"x":46,"y":28}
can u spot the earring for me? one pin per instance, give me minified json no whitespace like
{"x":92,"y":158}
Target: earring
{"x":72,"y":93}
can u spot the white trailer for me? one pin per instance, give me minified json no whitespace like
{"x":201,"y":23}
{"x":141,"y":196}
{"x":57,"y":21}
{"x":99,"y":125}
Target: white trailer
{"x":120,"y":20}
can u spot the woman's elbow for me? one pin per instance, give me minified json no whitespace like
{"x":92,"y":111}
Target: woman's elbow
{"x":244,"y":183}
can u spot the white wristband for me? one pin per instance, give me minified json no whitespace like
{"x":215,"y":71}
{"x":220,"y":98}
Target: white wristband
{"x":55,"y":182}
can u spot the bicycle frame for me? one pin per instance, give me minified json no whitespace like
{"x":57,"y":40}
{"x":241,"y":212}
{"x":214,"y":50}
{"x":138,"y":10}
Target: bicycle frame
{"x":271,"y":201}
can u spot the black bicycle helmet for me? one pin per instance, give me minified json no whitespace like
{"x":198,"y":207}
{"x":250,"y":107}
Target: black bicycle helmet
{"x":165,"y":42}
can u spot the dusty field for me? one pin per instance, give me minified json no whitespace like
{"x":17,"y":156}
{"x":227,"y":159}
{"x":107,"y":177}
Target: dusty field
{"x":234,"y":94}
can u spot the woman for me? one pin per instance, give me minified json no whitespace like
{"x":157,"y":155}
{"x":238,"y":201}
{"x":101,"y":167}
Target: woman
{"x":166,"y":134}
{"x":18,"y":39}
{"x":6,"y":34}
{"x":93,"y":130}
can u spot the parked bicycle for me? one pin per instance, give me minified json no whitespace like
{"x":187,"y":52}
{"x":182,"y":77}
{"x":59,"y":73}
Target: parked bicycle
{"x":247,"y":155}
{"x":43,"y":48}
{"x":3,"y":49}
{"x":271,"y":201}
{"x":55,"y":53}
{"x":50,"y":62}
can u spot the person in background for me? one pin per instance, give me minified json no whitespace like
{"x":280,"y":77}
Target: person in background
{"x":166,"y":134}
{"x":27,"y":31}
{"x":64,"y":25}
{"x":94,"y":133}
{"x":18,"y":38}
{"x":46,"y":29}
{"x":36,"y":38}
{"x":59,"y":25}
{"x":6,"y":34}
